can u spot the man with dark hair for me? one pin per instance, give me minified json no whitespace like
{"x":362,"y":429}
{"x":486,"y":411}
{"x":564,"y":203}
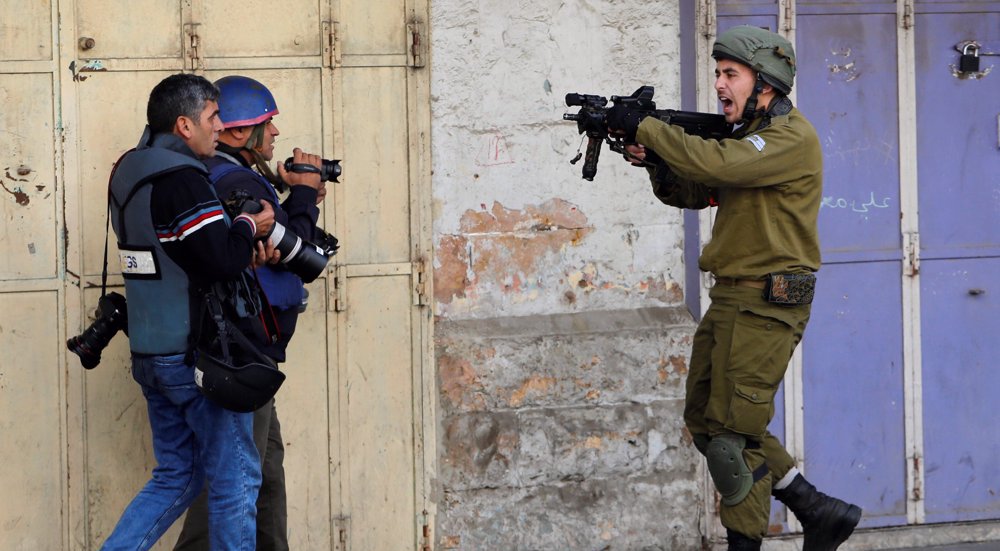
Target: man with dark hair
{"x":766,"y":180}
{"x":175,"y":242}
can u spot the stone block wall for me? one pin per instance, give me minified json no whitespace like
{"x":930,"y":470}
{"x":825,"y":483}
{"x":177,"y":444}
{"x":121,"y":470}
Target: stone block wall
{"x":566,"y":432}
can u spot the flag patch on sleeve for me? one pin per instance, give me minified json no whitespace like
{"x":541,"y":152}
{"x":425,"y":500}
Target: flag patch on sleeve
{"x":757,"y":142}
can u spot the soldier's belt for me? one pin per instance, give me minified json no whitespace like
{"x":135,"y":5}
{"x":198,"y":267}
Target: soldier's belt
{"x":733,"y":282}
{"x":789,"y":289}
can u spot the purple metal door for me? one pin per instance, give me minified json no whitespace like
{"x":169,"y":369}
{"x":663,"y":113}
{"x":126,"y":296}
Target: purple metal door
{"x":958,"y":144}
{"x":853,"y":349}
{"x":853,"y":353}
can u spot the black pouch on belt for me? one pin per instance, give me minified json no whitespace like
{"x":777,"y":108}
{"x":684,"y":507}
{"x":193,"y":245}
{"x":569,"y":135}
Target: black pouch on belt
{"x":789,"y":289}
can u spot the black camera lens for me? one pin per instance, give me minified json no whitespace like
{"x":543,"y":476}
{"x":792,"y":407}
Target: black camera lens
{"x":302,"y":257}
{"x":326,"y":242}
{"x":112,"y":316}
{"x":329,"y":170}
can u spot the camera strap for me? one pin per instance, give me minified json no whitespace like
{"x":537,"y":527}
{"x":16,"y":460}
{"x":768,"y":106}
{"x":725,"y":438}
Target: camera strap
{"x":228,"y":343}
{"x":107,"y":223}
{"x":269,"y":329}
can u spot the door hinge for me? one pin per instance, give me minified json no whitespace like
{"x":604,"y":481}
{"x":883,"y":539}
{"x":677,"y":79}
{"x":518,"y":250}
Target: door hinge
{"x":338,"y":294}
{"x":789,"y":22}
{"x":911,"y":254}
{"x":193,"y":44}
{"x":918,"y":490}
{"x":708,"y":18}
{"x":420,"y":283}
{"x":341,"y":531}
{"x":418,"y":43}
{"x":425,"y":532}
{"x":907,"y":14}
{"x":331,"y":50}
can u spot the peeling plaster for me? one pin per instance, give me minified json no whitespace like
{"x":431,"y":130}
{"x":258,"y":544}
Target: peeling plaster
{"x":503,"y":248}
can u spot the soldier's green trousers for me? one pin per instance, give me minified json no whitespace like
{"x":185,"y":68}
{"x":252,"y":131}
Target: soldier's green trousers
{"x":741,"y":351}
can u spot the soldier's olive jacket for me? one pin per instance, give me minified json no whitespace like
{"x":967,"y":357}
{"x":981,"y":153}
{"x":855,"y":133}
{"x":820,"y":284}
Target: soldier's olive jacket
{"x":767,"y":179}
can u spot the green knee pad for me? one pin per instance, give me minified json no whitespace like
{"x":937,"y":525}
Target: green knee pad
{"x":701,"y":442}
{"x":728,"y":468}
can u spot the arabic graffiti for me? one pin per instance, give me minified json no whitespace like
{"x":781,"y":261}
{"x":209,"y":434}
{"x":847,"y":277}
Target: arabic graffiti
{"x":832,"y":202}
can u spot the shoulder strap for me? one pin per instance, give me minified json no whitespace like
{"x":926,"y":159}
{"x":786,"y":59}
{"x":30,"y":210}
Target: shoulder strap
{"x":218,"y":172}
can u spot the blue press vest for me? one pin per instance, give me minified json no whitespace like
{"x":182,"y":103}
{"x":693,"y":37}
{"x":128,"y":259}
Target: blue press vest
{"x":159,"y":307}
{"x":282,"y":287}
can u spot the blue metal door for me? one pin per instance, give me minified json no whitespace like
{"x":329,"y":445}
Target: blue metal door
{"x":853,"y":385}
{"x":852,"y":378}
{"x":870,"y":419}
{"x":958,"y":143}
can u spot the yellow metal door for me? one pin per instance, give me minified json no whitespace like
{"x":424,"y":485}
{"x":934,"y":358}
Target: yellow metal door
{"x":32,"y":382}
{"x":356,"y":407}
{"x":384,"y":403}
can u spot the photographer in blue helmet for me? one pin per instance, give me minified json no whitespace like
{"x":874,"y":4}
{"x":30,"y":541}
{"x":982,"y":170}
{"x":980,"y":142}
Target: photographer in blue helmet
{"x":240,"y":169}
{"x":766,"y":179}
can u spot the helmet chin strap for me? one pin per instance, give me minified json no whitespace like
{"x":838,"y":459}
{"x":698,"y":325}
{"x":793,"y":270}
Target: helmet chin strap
{"x":751,"y":106}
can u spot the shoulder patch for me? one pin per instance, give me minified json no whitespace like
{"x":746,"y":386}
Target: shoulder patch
{"x":757,"y":142}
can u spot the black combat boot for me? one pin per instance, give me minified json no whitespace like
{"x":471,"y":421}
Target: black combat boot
{"x":826,"y":521}
{"x":739,"y":542}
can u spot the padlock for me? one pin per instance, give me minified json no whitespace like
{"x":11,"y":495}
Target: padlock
{"x":969,"y":62}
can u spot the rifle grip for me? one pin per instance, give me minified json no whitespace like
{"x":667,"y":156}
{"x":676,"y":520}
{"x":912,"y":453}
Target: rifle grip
{"x":591,"y":157}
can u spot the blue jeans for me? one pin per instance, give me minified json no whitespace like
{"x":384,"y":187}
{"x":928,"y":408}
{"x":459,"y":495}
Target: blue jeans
{"x":193,"y":440}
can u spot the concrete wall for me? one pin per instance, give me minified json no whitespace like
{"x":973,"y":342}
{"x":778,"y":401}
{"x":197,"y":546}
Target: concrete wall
{"x":561,"y":339}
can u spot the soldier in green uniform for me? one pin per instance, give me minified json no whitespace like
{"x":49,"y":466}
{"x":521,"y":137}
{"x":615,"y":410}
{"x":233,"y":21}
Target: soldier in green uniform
{"x":766,"y":180}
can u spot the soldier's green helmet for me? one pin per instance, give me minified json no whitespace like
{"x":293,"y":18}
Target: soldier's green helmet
{"x":763,"y":51}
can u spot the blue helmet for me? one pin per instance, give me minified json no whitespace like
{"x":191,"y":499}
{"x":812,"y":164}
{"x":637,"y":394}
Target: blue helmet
{"x":244,"y":102}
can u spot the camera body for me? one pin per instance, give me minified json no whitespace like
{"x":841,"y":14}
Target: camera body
{"x":112,"y":316}
{"x":328,"y":171}
{"x":302,"y":257}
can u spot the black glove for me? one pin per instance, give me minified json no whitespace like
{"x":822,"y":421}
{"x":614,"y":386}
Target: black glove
{"x":624,"y":122}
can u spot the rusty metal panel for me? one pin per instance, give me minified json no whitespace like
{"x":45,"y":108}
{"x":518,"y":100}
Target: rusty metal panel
{"x":246,"y":28}
{"x":137,"y":29}
{"x":27,"y":31}
{"x":376,"y":188}
{"x":31,"y":414}
{"x":378,"y":394}
{"x":28,"y":238}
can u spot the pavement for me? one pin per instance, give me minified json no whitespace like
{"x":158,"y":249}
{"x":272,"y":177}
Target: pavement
{"x":985,"y":546}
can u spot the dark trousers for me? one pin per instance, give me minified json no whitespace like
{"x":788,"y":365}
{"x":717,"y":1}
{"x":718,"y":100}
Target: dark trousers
{"x":272,"y":517}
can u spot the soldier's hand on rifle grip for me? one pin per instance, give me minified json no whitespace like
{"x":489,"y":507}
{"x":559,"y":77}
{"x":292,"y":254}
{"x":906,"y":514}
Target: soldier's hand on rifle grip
{"x":635,"y":154}
{"x":624,"y":122}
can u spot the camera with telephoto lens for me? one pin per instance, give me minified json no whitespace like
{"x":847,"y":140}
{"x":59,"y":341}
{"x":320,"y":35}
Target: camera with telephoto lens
{"x":328,"y":171}
{"x":302,"y":257}
{"x":112,"y":317}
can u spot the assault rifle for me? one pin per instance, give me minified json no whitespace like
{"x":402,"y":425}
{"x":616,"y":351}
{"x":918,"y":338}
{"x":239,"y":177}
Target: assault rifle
{"x":592,"y":120}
